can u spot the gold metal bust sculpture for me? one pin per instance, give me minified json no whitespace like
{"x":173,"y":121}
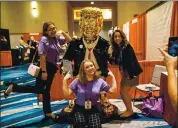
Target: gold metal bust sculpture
{"x":90,"y":23}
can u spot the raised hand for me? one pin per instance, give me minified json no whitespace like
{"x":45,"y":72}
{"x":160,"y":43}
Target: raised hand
{"x":110,"y":73}
{"x":169,"y":60}
{"x":68,"y":76}
{"x":59,"y":33}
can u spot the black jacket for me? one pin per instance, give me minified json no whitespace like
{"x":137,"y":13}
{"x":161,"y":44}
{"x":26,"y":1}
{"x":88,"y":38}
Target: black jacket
{"x":129,"y":61}
{"x":76,"y":52}
{"x":33,"y":43}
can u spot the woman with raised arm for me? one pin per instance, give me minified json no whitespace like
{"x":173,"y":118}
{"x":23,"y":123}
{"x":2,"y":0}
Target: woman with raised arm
{"x":171,"y":65}
{"x":48,"y":50}
{"x":87,"y":87}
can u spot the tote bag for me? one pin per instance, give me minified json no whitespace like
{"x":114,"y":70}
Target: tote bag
{"x":33,"y":70}
{"x":153,"y":107}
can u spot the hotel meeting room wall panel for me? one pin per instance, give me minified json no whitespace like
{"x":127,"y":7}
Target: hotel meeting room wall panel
{"x":0,"y":14}
{"x":127,"y":9}
{"x":21,"y":20}
{"x":17,"y":17}
{"x":106,"y":26}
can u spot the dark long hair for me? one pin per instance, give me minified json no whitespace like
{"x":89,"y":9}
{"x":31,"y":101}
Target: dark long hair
{"x":123,"y":44}
{"x":45,"y":27}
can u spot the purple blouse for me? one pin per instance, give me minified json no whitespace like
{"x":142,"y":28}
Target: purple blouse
{"x":50,"y":48}
{"x":91,"y":91}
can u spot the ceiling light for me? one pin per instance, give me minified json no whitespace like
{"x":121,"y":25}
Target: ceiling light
{"x":92,"y":2}
{"x":34,"y":4}
{"x":35,"y":12}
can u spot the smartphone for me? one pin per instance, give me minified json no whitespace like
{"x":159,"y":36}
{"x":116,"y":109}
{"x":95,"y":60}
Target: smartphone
{"x":67,"y":66}
{"x":173,"y":46}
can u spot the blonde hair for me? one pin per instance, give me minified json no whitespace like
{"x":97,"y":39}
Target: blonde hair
{"x":82,"y":75}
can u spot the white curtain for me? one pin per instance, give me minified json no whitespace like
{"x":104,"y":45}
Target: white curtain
{"x":158,"y":30}
{"x":126,"y":30}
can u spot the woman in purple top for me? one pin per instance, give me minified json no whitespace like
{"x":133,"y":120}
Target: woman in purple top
{"x":48,"y":50}
{"x":87,"y":88}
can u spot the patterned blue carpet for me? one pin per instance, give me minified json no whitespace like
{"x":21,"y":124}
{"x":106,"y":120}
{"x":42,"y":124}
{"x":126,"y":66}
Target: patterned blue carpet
{"x":18,"y":110}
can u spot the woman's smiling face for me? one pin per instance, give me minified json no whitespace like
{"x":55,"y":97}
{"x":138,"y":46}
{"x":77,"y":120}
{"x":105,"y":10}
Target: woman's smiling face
{"x":89,"y":68}
{"x":117,"y":37}
{"x":51,"y":31}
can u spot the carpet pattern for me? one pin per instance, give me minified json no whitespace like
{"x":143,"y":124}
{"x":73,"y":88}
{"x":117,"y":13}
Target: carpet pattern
{"x":19,"y":109}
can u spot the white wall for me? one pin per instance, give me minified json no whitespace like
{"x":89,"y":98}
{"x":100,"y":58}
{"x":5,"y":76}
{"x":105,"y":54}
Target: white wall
{"x":158,"y":30}
{"x":14,"y":39}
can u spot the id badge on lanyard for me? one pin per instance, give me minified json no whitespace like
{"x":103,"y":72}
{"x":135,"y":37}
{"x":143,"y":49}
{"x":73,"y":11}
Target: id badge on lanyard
{"x":88,"y":104}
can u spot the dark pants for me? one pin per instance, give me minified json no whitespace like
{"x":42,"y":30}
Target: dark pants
{"x":42,"y":87}
{"x":84,"y":118}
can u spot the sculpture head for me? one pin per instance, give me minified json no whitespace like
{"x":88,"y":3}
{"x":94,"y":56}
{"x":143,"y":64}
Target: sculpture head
{"x":90,"y":23}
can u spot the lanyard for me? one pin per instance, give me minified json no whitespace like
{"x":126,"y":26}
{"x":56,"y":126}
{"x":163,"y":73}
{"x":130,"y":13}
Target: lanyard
{"x":88,"y":98}
{"x":56,"y":46}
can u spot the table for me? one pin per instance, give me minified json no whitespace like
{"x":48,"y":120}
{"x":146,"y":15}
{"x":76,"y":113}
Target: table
{"x":15,"y":57}
{"x":5,"y":58}
{"x":170,"y":114}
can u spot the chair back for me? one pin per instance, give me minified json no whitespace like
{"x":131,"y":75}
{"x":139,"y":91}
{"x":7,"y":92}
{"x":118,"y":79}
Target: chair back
{"x":157,"y":74}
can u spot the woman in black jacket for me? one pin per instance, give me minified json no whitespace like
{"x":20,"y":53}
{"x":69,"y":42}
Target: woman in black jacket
{"x":124,"y":56}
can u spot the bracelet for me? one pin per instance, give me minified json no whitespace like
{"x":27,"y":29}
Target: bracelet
{"x":43,"y":71}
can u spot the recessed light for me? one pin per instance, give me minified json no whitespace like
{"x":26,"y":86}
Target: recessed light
{"x":92,"y":2}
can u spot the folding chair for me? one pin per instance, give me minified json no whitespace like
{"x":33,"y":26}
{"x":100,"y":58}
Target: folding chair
{"x":155,"y":82}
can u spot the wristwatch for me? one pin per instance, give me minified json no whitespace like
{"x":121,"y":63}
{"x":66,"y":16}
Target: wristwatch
{"x":43,"y":71}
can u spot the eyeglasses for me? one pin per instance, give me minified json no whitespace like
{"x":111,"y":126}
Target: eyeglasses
{"x":52,"y":29}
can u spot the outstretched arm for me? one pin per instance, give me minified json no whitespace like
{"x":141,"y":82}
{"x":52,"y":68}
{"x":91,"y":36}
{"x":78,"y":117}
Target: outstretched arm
{"x":67,"y":37}
{"x":66,"y":90}
{"x":171,"y":65}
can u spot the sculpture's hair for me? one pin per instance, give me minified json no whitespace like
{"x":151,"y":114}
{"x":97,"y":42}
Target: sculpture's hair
{"x":91,"y":12}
